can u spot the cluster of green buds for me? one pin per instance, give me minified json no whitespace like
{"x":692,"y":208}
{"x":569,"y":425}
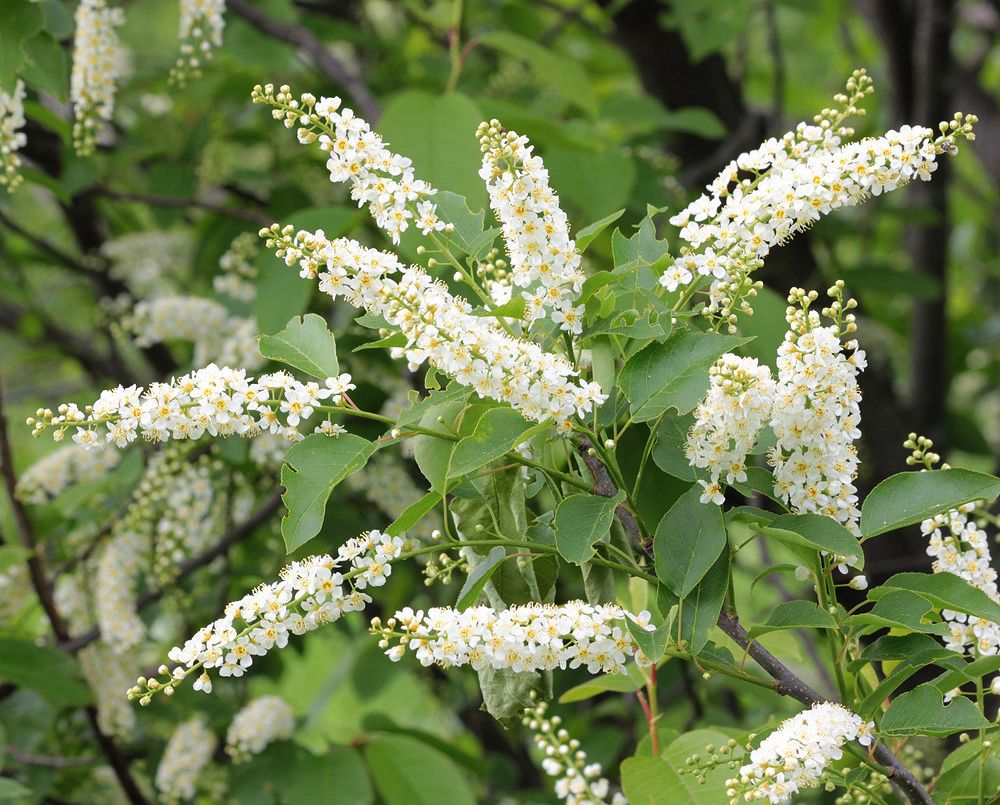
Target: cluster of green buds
{"x":729,"y":755}
{"x":732,"y":297}
{"x":848,"y":104}
{"x":441,"y":570}
{"x":839,"y":311}
{"x":958,"y":128}
{"x":146,"y":688}
{"x":921,"y":453}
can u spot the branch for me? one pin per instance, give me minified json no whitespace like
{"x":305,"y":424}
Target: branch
{"x":332,"y":68}
{"x":239,"y":532}
{"x":605,"y":487}
{"x":785,"y":680}
{"x":787,"y":683}
{"x":45,"y":595}
{"x":256,"y":218}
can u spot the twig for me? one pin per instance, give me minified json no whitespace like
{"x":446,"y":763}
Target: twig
{"x":44,"y":591}
{"x":175,"y":202}
{"x":26,"y":759}
{"x":230,"y":538}
{"x":605,"y":487}
{"x":328,"y":64}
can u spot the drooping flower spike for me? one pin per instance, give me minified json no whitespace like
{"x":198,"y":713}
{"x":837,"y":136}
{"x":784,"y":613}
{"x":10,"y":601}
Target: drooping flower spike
{"x":310,"y":593}
{"x":188,"y":752}
{"x":261,"y":722}
{"x":200,"y":33}
{"x":216,"y":400}
{"x":440,"y":327}
{"x":12,"y":139}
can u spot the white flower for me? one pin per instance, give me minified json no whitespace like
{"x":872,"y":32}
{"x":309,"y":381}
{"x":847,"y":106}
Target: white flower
{"x":794,"y":756}
{"x":108,"y":673}
{"x":528,"y":637}
{"x":729,"y":419}
{"x":579,"y":782}
{"x":48,"y":477}
{"x":188,"y":752}
{"x":261,"y":722}
{"x":98,"y":64}
{"x":815,"y":419}
{"x":439,"y":327}
{"x":12,"y":139}
{"x":239,"y":271}
{"x":200,"y":32}
{"x":543,"y":256}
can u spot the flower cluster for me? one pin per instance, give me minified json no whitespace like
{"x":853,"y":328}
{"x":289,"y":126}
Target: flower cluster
{"x":767,"y":195}
{"x":378,"y":177}
{"x":215,"y":400}
{"x":542,"y":254}
{"x":261,"y":722}
{"x":795,"y":755}
{"x":239,"y":272}
{"x":188,"y":752}
{"x":577,"y":781}
{"x":148,"y":262}
{"x":200,"y":31}
{"x":98,"y":63}
{"x":529,"y":637}
{"x":816,"y":412}
{"x":119,"y":568}
{"x":12,"y":139}
{"x":48,"y":477}
{"x":310,"y":593}
{"x":439,"y":327}
{"x":108,"y":673}
{"x":960,"y":547}
{"x":218,"y":336}
{"x":728,"y":421}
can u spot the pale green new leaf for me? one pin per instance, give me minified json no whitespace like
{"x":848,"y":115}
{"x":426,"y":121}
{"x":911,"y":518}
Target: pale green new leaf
{"x":306,"y":344}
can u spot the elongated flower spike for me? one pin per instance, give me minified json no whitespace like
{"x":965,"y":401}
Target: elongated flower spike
{"x":310,"y":593}
{"x":439,"y":327}
{"x":98,"y":64}
{"x":12,"y":139}
{"x":200,"y":33}
{"x":379,"y":178}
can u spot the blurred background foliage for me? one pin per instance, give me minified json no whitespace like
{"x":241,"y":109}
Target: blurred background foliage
{"x":632,"y":105}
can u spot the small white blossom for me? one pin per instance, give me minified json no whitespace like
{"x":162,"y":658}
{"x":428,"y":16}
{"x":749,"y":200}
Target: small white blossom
{"x":12,"y":139}
{"x":261,"y":722}
{"x":188,"y":752}
{"x":98,"y":64}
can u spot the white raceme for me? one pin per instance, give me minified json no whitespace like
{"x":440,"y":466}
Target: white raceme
{"x":98,"y":64}
{"x":200,"y":33}
{"x":188,"y":752}
{"x":263,"y":721}
{"x":70,"y":464}
{"x":794,"y":756}
{"x":12,"y":139}
{"x":440,"y":328}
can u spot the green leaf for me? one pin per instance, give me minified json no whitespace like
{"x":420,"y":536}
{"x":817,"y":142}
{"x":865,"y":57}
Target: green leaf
{"x":507,"y":693}
{"x":477,"y":579}
{"x":497,"y":432}
{"x":699,"y":610}
{"x":588,"y":234}
{"x":581,"y":521}
{"x":959,"y":778}
{"x":823,"y":533}
{"x":340,"y":774}
{"x":21,"y":21}
{"x":673,"y":374}
{"x":53,"y":674}
{"x":667,"y":780}
{"x":898,"y":609}
{"x":707,"y":25}
{"x":307,"y":344}
{"x":407,"y":771}
{"x":418,"y":410}
{"x":687,"y":542}
{"x":651,"y":642}
{"x":628,"y":682}
{"x":414,"y":514}
{"x":795,"y":615}
{"x":642,"y":249}
{"x":922,"y":711}
{"x":910,"y":497}
{"x":563,"y":74}
{"x":312,"y":469}
{"x":693,"y":120}
{"x":668,"y":452}
{"x":438,"y":132}
{"x":11,"y":555}
{"x":12,"y":789}
{"x":45,"y":65}
{"x":945,"y":591}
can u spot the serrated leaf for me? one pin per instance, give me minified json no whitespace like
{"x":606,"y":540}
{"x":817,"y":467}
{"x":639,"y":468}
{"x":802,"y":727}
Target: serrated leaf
{"x":51,"y":673}
{"x":699,"y":610}
{"x":794,"y":615}
{"x":312,"y":468}
{"x":589,"y":233}
{"x":673,"y":374}
{"x":453,"y":393}
{"x":306,"y":344}
{"x":414,"y":514}
{"x":607,"y":683}
{"x":922,"y":711}
{"x":898,"y":609}
{"x":667,"y":780}
{"x":945,"y":591}
{"x":910,"y":497}
{"x":687,"y":542}
{"x":581,"y":521}
{"x":497,"y":432}
{"x":478,"y":577}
